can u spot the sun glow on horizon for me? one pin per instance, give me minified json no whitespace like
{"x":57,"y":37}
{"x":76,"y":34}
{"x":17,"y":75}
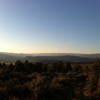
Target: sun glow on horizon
{"x":23,"y":51}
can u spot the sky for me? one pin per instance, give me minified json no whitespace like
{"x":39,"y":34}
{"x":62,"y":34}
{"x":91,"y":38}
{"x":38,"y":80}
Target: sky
{"x":50,"y":26}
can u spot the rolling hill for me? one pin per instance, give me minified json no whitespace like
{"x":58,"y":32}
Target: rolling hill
{"x":49,"y":57}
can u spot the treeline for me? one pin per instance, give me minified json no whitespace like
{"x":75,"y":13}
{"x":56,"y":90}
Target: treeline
{"x":39,"y":67}
{"x":52,"y":81}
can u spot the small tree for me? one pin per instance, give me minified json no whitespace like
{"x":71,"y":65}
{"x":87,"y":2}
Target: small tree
{"x":68,"y":67}
{"x":19,"y":66}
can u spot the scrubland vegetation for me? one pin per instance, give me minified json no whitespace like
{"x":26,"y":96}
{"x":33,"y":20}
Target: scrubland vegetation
{"x":52,"y":81}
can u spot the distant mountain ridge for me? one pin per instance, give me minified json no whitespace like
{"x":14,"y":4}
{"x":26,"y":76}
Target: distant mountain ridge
{"x":49,"y":57}
{"x":59,"y":58}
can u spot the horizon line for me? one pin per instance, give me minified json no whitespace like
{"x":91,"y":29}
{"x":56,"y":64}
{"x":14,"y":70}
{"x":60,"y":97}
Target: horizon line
{"x":52,"y":53}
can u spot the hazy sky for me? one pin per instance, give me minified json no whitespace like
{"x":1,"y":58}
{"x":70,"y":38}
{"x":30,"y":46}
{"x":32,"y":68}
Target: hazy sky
{"x":38,"y":26}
